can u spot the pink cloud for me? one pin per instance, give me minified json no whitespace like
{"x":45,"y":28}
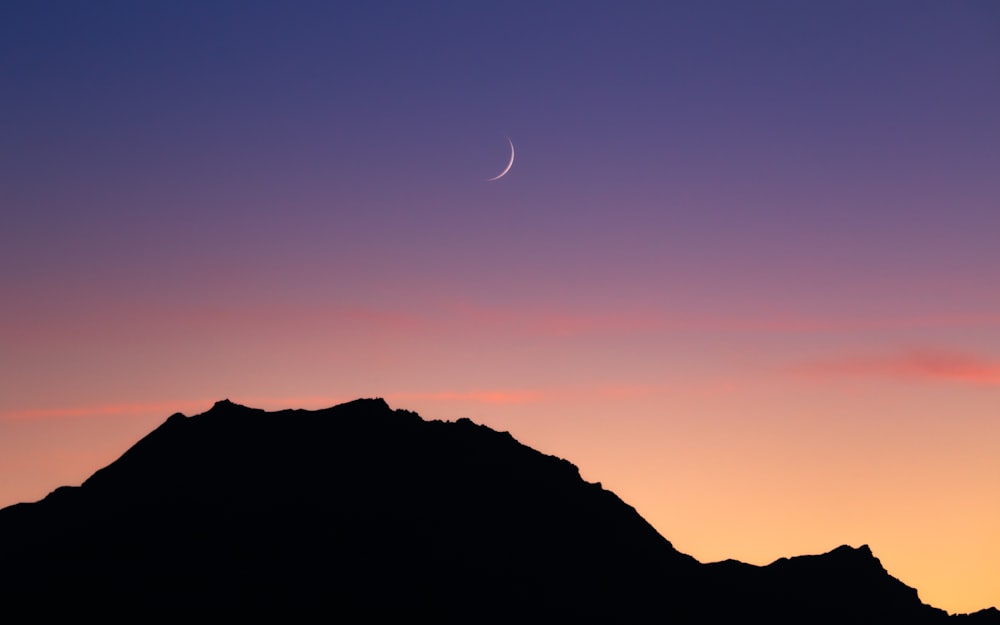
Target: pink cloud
{"x":496,"y":396}
{"x":532,"y":320}
{"x":482,"y":396}
{"x":515,"y":396}
{"x":549,"y":322}
{"x":915,"y":364}
{"x":107,"y":410}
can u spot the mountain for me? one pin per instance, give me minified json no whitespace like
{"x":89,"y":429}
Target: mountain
{"x":367,"y":514}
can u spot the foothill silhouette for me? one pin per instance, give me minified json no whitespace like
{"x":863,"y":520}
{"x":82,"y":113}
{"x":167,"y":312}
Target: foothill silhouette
{"x":367,"y":514}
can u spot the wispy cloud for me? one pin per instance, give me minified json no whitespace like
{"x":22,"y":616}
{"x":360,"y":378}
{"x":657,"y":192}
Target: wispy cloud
{"x":536,"y":321}
{"x":191,"y":407}
{"x":480,"y":396}
{"x":107,"y":410}
{"x":913,"y":364}
{"x":533,"y":396}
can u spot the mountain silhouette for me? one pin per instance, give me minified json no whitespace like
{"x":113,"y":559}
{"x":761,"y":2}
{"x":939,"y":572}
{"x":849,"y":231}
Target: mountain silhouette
{"x":363,"y":513}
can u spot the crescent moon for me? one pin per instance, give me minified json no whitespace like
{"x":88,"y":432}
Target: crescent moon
{"x":509,"y":165}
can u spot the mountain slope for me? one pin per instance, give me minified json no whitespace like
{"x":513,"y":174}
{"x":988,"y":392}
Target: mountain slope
{"x":364,"y":513}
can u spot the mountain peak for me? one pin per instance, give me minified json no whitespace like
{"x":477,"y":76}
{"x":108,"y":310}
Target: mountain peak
{"x":848,"y":552}
{"x":226,"y":406}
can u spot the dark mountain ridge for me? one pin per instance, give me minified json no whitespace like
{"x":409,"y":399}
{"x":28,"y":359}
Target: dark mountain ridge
{"x":364,"y":513}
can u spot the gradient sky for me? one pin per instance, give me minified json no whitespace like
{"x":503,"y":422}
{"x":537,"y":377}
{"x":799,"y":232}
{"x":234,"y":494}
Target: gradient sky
{"x":745,"y":270}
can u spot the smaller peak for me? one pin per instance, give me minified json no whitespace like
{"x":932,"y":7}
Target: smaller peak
{"x":863,"y":550}
{"x":376,"y":401}
{"x":366,"y":408}
{"x":225,"y":405}
{"x":861,"y":555}
{"x":370,"y":403}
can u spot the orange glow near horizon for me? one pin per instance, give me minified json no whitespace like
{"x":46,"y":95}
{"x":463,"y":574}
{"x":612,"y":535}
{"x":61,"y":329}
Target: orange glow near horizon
{"x":769,"y":481}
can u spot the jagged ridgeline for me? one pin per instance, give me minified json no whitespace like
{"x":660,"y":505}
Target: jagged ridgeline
{"x":362,"y":513}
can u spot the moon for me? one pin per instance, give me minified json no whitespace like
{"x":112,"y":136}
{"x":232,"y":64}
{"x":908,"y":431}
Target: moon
{"x":509,"y":165}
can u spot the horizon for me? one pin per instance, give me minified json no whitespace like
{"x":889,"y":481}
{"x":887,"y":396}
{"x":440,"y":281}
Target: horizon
{"x":742,"y":272}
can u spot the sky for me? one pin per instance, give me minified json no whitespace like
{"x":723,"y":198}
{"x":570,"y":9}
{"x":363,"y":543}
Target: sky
{"x":744,"y":270}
